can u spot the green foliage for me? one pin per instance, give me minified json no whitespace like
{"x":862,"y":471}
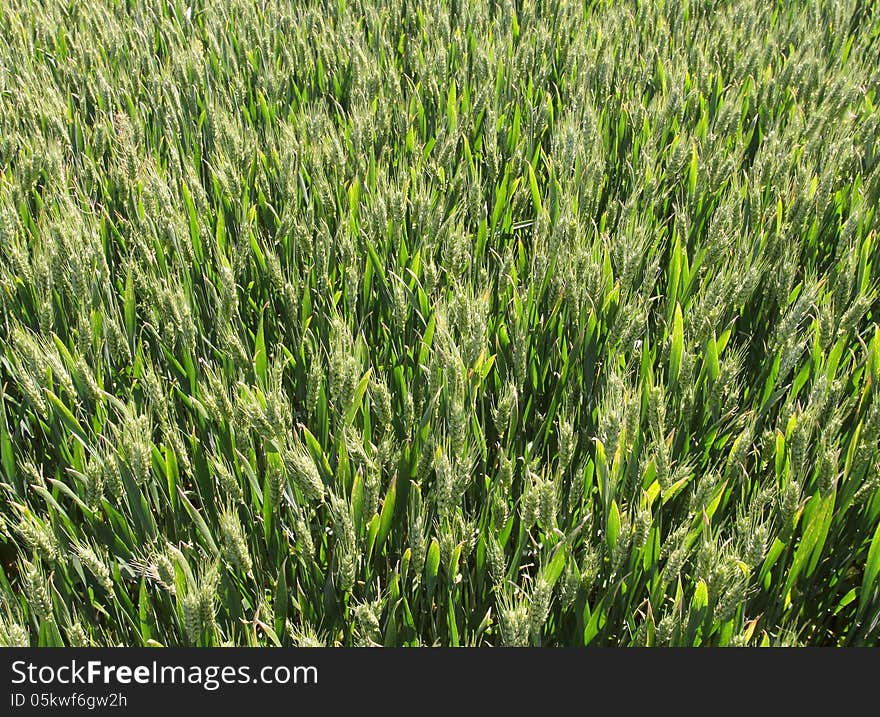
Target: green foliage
{"x":485,"y":323}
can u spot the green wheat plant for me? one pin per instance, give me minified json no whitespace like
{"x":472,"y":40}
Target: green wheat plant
{"x":489,"y":323}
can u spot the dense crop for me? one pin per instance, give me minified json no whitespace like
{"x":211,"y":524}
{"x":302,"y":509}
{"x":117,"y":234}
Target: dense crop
{"x":460,"y":323}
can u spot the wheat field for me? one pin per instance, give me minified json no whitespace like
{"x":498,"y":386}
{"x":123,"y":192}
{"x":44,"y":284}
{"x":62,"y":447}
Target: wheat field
{"x":491,"y":323}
